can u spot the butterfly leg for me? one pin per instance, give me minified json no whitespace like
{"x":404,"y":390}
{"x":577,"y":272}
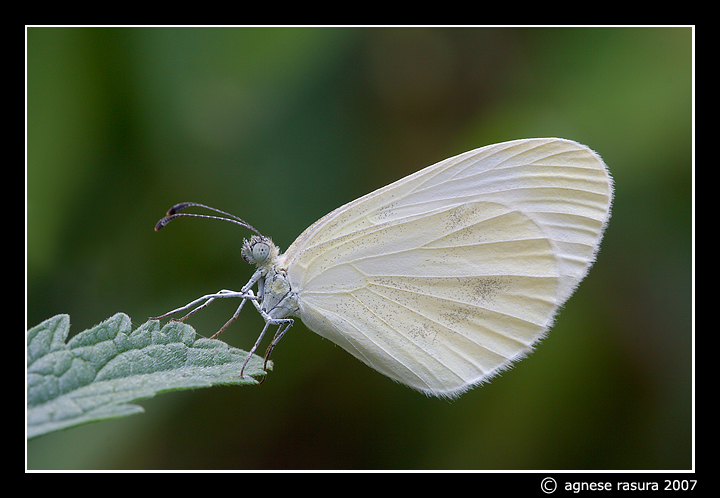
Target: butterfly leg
{"x":284,"y":325}
{"x":209,"y":298}
{"x":246,"y":296}
{"x":257,"y":343}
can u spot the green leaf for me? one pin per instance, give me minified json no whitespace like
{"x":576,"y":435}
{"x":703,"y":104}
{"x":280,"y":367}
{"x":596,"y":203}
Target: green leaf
{"x":100,"y":371}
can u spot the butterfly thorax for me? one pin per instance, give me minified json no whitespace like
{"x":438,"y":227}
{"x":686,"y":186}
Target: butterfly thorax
{"x":278,"y":298}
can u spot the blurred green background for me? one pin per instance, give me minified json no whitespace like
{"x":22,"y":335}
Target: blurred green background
{"x":282,"y":125}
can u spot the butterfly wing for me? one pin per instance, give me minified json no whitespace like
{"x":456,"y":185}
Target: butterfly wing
{"x":444,"y":278}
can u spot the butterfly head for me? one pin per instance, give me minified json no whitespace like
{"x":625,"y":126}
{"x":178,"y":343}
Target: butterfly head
{"x":259,"y":250}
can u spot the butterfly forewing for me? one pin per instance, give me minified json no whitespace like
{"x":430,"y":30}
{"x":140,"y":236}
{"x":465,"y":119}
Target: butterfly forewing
{"x":445,"y":277}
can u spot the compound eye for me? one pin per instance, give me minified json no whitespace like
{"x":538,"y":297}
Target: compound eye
{"x":260,"y":252}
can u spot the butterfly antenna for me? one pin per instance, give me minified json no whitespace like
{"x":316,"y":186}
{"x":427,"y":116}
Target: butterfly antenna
{"x":174,"y":212}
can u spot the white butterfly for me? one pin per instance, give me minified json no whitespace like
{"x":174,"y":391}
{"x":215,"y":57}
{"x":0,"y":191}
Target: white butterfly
{"x":445,"y":277}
